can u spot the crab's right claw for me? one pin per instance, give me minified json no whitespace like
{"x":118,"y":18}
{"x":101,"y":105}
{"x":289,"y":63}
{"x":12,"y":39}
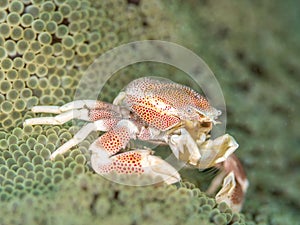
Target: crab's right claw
{"x":156,"y":166}
{"x":140,"y":162}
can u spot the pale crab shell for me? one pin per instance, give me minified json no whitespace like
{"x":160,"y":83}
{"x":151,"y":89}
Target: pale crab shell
{"x":169,"y":98}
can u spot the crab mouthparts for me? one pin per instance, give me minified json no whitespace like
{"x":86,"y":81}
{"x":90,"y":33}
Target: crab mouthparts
{"x":211,"y":115}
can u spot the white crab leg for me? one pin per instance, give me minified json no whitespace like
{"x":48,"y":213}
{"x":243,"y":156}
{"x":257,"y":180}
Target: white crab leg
{"x":99,"y":125}
{"x":46,"y":109}
{"x":90,"y":104}
{"x":119,"y":99}
{"x":62,"y":118}
{"x":77,"y":138}
{"x":78,"y":104}
{"x":88,"y":110}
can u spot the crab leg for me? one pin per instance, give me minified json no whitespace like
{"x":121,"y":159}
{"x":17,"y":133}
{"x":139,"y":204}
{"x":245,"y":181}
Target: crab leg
{"x":82,"y":114}
{"x":78,"y":104}
{"x":104,"y":120}
{"x":105,"y":159}
{"x":62,"y":118}
{"x":216,"y":183}
{"x":88,"y":110}
{"x":99,"y":125}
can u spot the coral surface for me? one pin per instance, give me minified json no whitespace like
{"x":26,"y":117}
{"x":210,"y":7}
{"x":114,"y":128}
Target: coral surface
{"x":46,"y":46}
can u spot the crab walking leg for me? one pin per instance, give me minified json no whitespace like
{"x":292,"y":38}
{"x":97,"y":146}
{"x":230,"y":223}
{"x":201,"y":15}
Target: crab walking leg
{"x":216,"y":183}
{"x":82,"y":114}
{"x":88,"y":110}
{"x":99,"y":125}
{"x":235,"y":183}
{"x":78,"y":137}
{"x":78,"y":104}
{"x":104,"y":120}
{"x":61,"y":118}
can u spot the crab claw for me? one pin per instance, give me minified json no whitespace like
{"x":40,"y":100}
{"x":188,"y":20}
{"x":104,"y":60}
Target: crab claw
{"x":140,"y":162}
{"x":156,"y":166}
{"x":216,"y":151}
{"x":235,"y":184}
{"x":231,"y":193}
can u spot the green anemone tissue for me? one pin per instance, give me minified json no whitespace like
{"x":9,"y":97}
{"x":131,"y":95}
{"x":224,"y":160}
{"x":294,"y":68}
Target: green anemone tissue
{"x":45,"y":49}
{"x":46,"y":38}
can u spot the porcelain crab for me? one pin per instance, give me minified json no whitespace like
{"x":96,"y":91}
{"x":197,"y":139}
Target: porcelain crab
{"x":156,"y":110}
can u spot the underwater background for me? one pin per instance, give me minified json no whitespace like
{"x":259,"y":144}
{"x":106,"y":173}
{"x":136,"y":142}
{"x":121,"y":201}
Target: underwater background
{"x":252,"y":47}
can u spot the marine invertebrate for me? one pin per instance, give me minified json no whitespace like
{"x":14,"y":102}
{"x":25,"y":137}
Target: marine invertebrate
{"x":147,"y":110}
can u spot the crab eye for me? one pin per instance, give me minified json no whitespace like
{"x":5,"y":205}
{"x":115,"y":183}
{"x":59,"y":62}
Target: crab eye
{"x":217,"y":114}
{"x":189,"y":109}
